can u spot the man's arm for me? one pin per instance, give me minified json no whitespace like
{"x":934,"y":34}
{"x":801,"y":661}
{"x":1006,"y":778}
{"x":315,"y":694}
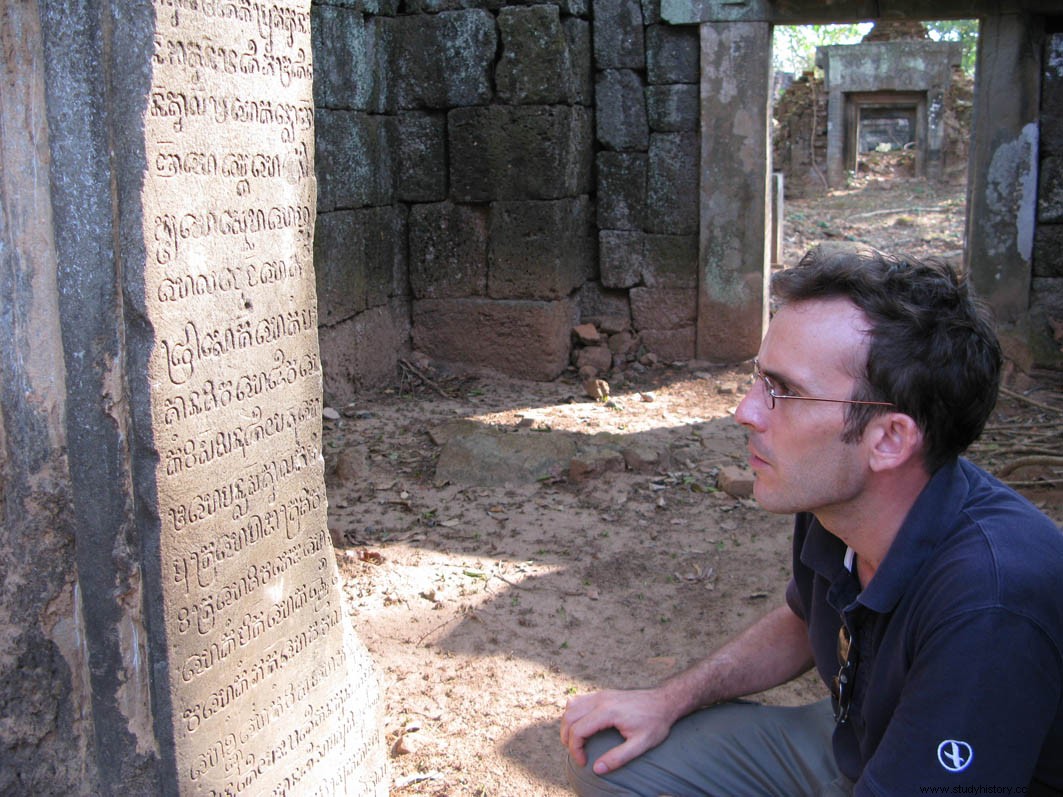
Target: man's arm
{"x":772,"y":651}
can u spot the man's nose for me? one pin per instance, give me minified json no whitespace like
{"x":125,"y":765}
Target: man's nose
{"x":751,"y":408}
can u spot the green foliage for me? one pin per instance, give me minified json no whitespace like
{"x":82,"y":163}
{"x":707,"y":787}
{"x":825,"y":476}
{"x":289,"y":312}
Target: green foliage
{"x":964,"y":31}
{"x":794,"y":46}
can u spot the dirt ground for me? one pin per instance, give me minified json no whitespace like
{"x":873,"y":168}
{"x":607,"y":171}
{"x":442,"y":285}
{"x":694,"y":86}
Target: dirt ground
{"x":486,"y":607}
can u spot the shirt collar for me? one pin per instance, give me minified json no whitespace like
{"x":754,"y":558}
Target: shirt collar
{"x":919,"y":534}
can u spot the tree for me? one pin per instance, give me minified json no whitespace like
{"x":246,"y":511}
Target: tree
{"x":794,"y":46}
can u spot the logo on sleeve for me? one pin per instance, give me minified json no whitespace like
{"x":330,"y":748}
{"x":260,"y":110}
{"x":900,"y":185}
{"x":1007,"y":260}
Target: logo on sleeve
{"x":955,"y":756}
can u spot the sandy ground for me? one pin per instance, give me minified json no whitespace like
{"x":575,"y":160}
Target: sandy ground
{"x":486,"y":607}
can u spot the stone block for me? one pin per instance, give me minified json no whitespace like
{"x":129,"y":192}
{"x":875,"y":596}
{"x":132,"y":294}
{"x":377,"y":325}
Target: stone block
{"x":621,"y":122}
{"x":355,"y":159}
{"x":422,"y":158}
{"x":670,"y":345}
{"x":621,"y":190}
{"x":339,"y":266}
{"x":619,"y":41}
{"x":672,"y":108}
{"x":349,"y":62}
{"x":539,"y":250}
{"x":1048,"y":251}
{"x":651,"y":12}
{"x":596,"y":301}
{"x":529,"y":339}
{"x":672,"y":184}
{"x":443,"y":60}
{"x":671,"y":261}
{"x":1051,"y":111}
{"x":673,"y":54}
{"x":382,"y":7}
{"x":363,"y":352}
{"x":1050,"y":190}
{"x":597,"y":357}
{"x":520,"y":152}
{"x":621,"y":258}
{"x":448,"y":251}
{"x":581,"y":60}
{"x":535,"y":66}
{"x":735,"y":481}
{"x":359,"y":260}
{"x":663,"y":308}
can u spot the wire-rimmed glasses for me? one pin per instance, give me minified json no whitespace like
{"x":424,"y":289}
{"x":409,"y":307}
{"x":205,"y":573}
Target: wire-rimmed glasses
{"x":772,"y":394}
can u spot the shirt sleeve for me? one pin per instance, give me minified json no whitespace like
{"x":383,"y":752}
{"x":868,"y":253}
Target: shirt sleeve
{"x":979,"y":700}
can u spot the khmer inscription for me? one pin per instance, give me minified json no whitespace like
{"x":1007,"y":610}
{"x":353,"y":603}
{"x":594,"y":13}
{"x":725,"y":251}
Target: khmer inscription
{"x":270,"y":693}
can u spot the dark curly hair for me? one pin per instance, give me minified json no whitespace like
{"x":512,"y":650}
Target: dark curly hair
{"x":933,"y":352}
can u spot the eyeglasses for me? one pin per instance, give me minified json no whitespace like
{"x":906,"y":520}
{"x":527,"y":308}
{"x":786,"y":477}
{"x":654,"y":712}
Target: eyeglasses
{"x":841,"y":688}
{"x":772,"y":394}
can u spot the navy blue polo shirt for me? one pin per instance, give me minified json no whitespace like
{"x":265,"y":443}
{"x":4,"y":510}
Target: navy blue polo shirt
{"x":958,"y":641}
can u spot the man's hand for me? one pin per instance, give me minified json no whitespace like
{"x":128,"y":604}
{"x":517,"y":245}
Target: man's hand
{"x":643,"y":717}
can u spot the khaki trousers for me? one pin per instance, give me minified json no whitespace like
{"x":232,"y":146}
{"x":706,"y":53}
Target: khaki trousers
{"x":736,"y":749}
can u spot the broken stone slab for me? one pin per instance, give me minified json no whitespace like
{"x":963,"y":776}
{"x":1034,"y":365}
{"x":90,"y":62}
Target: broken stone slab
{"x":597,"y":357}
{"x":492,"y":458}
{"x":587,"y":334}
{"x":735,"y":481}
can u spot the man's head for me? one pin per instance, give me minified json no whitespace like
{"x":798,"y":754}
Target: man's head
{"x":932,"y":352}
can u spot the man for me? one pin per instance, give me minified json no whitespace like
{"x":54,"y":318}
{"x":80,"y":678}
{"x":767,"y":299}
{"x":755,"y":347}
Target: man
{"x":928,"y":596}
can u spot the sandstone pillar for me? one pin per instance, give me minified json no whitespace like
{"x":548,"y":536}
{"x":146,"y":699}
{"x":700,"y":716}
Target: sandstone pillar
{"x":735,"y":173}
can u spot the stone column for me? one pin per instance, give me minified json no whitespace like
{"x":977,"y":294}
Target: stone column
{"x":735,"y":173}
{"x":195,"y":636}
{"x":1003,"y":169}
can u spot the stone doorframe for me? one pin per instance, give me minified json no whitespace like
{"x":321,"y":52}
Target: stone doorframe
{"x":735,"y":92}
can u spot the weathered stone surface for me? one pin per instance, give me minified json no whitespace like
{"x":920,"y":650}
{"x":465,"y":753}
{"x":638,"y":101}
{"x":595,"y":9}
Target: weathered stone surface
{"x":539,"y":250}
{"x":246,"y":646}
{"x":360,"y":260}
{"x":733,"y":135}
{"x":442,"y":60}
{"x":621,"y":258}
{"x":522,"y":338}
{"x":587,"y":334}
{"x":492,"y":458}
{"x":339,"y":266}
{"x":349,"y":60}
{"x":621,"y":190}
{"x":623,"y":343}
{"x":662,"y":308}
{"x":619,"y":39}
{"x":641,"y":457}
{"x":596,"y":301}
{"x":578,"y":34}
{"x":670,"y":345}
{"x":621,"y":122}
{"x":651,"y":12}
{"x":529,"y":152}
{"x":355,"y":159}
{"x":671,"y":261}
{"x":735,"y":481}
{"x":672,"y":184}
{"x":535,"y":66}
{"x":597,"y":357}
{"x":594,"y":461}
{"x":421,"y":169}
{"x":672,"y":108}
{"x":362,"y":352}
{"x":575,"y":7}
{"x":1048,"y":251}
{"x":46,"y":717}
{"x":1050,"y":190}
{"x":1051,"y":111}
{"x":448,"y":250}
{"x":672,"y":54}
{"x":382,"y":7}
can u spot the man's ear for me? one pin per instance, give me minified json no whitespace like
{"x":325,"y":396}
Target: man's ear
{"x":894,"y":440}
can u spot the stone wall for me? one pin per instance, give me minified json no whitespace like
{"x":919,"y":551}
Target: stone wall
{"x":1046,"y":301}
{"x":491,"y":172}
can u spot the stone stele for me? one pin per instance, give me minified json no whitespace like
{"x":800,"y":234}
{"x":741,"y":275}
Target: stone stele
{"x":268,"y":689}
